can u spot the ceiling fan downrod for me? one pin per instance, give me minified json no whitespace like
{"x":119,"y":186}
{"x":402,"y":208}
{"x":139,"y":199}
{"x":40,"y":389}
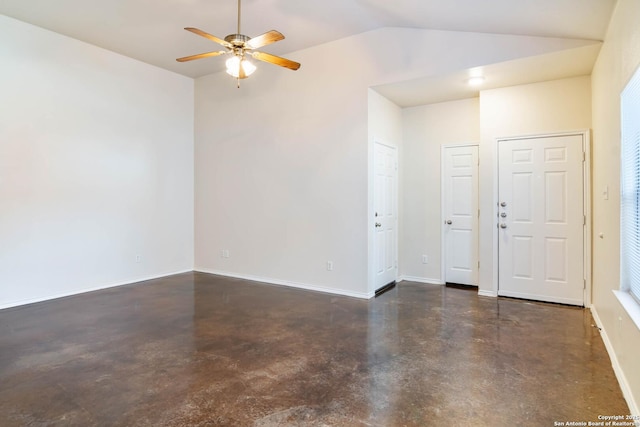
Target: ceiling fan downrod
{"x":239,"y":17}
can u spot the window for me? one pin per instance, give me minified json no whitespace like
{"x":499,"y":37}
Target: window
{"x":630,"y":188}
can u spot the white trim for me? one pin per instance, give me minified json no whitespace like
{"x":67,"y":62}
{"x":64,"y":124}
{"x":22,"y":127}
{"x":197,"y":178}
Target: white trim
{"x":288,"y":283}
{"x":544,"y":135}
{"x":461,"y":144}
{"x":586,"y":186}
{"x":630,"y":305}
{"x":495,"y":273}
{"x":617,"y":369}
{"x":588,"y":267}
{"x":420,"y":280}
{"x":92,"y":289}
{"x":443,"y":261}
{"x":377,"y":141}
{"x":484,"y":293}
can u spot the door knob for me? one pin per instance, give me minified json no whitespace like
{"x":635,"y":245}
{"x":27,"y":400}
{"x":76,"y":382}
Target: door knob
{"x":378,"y":224}
{"x":503,"y":214}
{"x":448,"y":222}
{"x":503,"y":225}
{"x":503,"y":204}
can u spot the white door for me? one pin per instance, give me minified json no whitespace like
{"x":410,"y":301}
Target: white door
{"x":460,"y":212}
{"x":541,"y":219}
{"x":385,"y":215}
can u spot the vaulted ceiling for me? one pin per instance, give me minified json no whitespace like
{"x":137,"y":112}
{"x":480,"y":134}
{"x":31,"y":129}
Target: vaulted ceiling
{"x":152,"y":31}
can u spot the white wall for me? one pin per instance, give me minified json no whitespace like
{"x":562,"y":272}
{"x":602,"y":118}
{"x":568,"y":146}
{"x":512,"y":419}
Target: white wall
{"x":282,"y":164}
{"x":619,"y":57}
{"x":547,"y":107}
{"x":385,"y":126}
{"x":281,"y":178}
{"x":96,"y":167}
{"x":426,"y":129}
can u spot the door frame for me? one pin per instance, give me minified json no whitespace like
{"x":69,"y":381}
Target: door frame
{"x":443,"y":249}
{"x":586,"y":208}
{"x":371,"y":220}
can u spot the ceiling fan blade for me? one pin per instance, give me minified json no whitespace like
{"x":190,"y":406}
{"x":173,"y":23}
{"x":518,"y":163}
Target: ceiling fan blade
{"x":209,"y":36}
{"x":201,"y":55}
{"x":264,"y":39}
{"x":276,"y":60}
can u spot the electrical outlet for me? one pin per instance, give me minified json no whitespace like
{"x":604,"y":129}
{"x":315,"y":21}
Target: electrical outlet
{"x":138,"y":259}
{"x":329,"y":265}
{"x":224,"y":253}
{"x":425,"y":259}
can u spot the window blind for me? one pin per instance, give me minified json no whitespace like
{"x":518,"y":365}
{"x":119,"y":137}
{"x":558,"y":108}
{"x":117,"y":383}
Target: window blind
{"x":630,"y":187}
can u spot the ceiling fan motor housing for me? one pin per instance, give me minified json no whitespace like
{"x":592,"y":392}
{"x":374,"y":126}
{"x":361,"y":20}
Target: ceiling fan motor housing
{"x":237,"y":40}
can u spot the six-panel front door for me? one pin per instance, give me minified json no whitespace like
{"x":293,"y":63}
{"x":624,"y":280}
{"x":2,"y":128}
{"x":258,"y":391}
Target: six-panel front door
{"x":541,"y":219}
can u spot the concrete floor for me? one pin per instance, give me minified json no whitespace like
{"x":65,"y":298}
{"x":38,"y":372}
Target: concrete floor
{"x":202,"y":350}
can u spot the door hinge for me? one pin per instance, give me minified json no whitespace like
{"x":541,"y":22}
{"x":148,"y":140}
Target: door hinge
{"x":584,"y":283}
{"x":584,"y":156}
{"x":478,"y":264}
{"x":478,"y":213}
{"x":584,"y":220}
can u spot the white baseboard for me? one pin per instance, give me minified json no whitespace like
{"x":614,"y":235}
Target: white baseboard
{"x":84,"y":291}
{"x":420,"y":280}
{"x":617,"y":369}
{"x":361,"y":295}
{"x":484,"y":293}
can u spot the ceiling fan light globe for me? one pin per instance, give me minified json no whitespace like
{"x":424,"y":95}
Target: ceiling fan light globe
{"x":248,"y":67}
{"x":235,"y":62}
{"x":233,"y":65}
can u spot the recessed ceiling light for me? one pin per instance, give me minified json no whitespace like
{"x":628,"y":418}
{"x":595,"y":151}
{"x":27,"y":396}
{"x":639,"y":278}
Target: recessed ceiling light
{"x":475,"y":81}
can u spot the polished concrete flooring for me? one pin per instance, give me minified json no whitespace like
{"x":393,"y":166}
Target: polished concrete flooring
{"x":202,"y":350}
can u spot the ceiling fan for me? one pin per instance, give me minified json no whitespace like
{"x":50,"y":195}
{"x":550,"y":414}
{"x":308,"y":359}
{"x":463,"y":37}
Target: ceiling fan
{"x":241,"y":46}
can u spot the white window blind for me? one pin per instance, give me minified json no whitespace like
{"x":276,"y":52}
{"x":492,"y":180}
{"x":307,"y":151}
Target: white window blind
{"x":630,"y":187}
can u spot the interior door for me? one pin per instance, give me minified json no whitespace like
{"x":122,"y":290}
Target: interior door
{"x":541,"y":219}
{"x":460,"y":212}
{"x":386,"y":217}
